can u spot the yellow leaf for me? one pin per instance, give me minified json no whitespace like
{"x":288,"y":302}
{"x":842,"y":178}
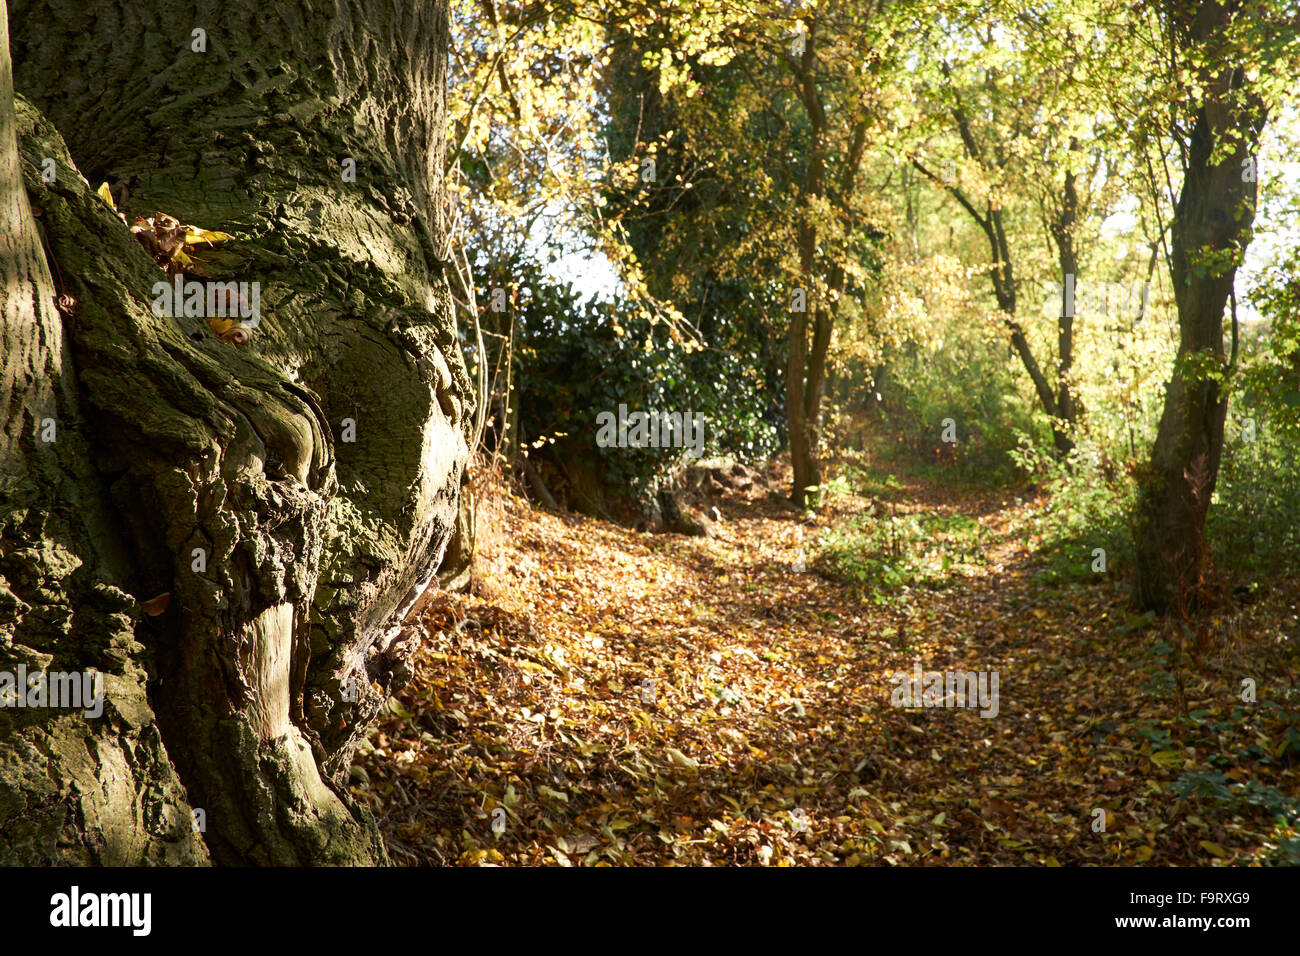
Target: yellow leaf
{"x":156,"y":605}
{"x":220,"y":326}
{"x":680,"y":758}
{"x":1214,"y":849}
{"x":106,"y":194}
{"x":193,"y":234}
{"x":1168,"y":759}
{"x":1144,"y":853}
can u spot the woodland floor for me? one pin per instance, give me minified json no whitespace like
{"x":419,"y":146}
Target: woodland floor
{"x":629,"y":698}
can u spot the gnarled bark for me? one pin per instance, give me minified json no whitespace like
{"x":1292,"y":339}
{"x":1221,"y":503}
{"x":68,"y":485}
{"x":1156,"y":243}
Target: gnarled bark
{"x":294,"y":497}
{"x":72,"y":789}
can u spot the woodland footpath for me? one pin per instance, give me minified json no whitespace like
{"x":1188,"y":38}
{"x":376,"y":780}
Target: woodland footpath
{"x":613,"y":697}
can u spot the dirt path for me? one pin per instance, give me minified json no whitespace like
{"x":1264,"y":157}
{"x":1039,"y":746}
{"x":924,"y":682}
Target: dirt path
{"x":626,"y":698}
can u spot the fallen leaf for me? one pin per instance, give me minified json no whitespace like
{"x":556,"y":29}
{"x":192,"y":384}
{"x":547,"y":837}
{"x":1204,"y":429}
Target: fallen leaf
{"x":156,"y":605}
{"x":681,"y":759}
{"x":1214,"y":849}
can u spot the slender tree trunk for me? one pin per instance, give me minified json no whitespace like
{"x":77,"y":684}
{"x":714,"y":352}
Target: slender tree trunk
{"x":803,"y":457}
{"x":1002,"y":275}
{"x":1067,"y":256}
{"x":806,"y":371}
{"x":1004,"y":290}
{"x":1210,"y":231}
{"x":291,"y":498}
{"x":801,"y":403}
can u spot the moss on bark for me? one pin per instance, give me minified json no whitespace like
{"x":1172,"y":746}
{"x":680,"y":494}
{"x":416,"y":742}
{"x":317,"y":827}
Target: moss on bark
{"x":227,"y":476}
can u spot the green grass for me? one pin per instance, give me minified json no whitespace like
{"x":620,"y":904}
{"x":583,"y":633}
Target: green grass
{"x":887,"y":555}
{"x":863,"y":479}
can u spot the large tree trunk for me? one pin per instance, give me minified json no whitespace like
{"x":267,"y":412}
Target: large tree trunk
{"x":1210,"y":231}
{"x":72,"y":789}
{"x":293,"y":497}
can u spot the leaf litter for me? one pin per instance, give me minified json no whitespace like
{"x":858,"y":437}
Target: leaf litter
{"x":615,"y":698}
